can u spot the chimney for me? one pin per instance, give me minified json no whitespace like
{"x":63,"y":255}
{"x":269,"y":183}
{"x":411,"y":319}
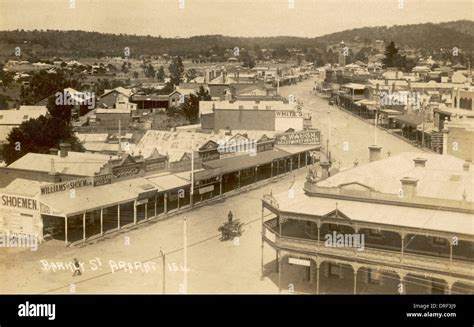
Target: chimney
{"x":324,"y":169}
{"x":374,"y":152}
{"x":53,"y":169}
{"x":445,"y":136}
{"x":420,"y":162}
{"x":466,"y":166}
{"x":53,"y":151}
{"x":409,"y":187}
{"x":64,"y":148}
{"x":54,"y":175}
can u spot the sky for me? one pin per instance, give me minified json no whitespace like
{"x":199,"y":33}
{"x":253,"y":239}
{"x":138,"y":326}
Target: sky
{"x":184,"y":18}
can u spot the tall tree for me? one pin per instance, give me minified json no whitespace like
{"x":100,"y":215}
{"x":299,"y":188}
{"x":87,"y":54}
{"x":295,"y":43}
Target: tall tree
{"x":247,"y":60}
{"x":190,"y":107}
{"x":41,"y":134}
{"x":160,"y":75}
{"x":176,"y":69}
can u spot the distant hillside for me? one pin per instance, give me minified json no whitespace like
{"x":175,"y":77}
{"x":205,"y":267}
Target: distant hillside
{"x":430,"y":37}
{"x":46,"y":44}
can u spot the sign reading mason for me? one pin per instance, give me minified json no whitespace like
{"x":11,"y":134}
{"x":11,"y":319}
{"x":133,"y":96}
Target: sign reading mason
{"x":19,"y":202}
{"x":302,"y":137}
{"x":64,"y":186}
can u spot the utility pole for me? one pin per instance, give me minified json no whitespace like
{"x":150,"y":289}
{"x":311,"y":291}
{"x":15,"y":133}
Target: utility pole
{"x":185,"y":240}
{"x":120,"y":137}
{"x":423,"y":124}
{"x":329,"y":133}
{"x":163,"y":257}
{"x":192,"y":172}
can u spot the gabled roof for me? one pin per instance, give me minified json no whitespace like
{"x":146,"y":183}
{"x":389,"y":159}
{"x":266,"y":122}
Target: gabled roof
{"x":120,"y":90}
{"x":75,"y":163}
{"x":16,"y":117}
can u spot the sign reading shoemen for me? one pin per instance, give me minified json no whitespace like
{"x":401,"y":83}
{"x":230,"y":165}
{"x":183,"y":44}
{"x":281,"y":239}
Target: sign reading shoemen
{"x":301,"y":137}
{"x":14,"y":201}
{"x":65,"y":186}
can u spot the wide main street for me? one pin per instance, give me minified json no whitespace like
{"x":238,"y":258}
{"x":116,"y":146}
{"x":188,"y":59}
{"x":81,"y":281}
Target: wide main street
{"x":130,"y":262}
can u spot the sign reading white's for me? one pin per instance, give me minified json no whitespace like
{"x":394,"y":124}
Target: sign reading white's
{"x":288,"y":114}
{"x":302,"y":137}
{"x":299,"y":262}
{"x":64,"y":186}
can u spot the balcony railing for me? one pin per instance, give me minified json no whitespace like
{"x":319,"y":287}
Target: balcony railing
{"x":370,"y":254}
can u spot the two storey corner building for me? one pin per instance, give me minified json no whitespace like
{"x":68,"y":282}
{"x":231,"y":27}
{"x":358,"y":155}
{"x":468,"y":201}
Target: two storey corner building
{"x":402,"y":224}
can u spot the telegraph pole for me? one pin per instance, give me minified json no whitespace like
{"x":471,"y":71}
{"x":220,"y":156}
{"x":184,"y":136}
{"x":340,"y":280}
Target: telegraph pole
{"x":192,"y":172}
{"x":423,"y":125}
{"x":163,"y":257}
{"x":185,"y":239}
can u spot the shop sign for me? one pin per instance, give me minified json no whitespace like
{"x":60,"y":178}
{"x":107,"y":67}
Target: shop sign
{"x":302,"y":137}
{"x":299,"y":262}
{"x":288,"y":114}
{"x":65,"y":186}
{"x":20,"y":202}
{"x":102,"y":180}
{"x":206,"y":189}
{"x":126,"y":171}
{"x":269,"y":235}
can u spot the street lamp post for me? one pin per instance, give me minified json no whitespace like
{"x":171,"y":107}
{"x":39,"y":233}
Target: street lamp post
{"x":163,"y":257}
{"x":185,"y":246}
{"x":423,"y":124}
{"x":191,"y":201}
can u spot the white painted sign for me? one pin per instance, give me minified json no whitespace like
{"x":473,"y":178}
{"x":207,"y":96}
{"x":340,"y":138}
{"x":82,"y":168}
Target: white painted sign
{"x":206,"y":189}
{"x":269,"y":235}
{"x":299,"y":262}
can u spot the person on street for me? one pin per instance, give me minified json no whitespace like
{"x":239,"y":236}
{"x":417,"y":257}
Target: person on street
{"x":77,"y":268}
{"x":230,"y":216}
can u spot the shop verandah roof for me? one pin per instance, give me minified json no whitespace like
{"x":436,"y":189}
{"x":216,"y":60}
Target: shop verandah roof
{"x":233,"y":164}
{"x":383,"y":214}
{"x":94,"y":198}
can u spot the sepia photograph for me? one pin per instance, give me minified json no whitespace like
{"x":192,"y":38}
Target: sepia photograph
{"x":237,"y":147}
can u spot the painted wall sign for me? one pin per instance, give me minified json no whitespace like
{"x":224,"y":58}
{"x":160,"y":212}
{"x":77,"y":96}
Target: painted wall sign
{"x":126,"y":171}
{"x":299,"y":262}
{"x":206,"y":189}
{"x":102,"y":179}
{"x":65,"y":186}
{"x":302,"y":137}
{"x":288,"y":114}
{"x":155,"y":166}
{"x":20,"y":202}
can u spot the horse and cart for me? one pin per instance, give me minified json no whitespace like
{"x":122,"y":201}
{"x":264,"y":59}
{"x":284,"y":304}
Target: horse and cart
{"x":230,"y":229}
